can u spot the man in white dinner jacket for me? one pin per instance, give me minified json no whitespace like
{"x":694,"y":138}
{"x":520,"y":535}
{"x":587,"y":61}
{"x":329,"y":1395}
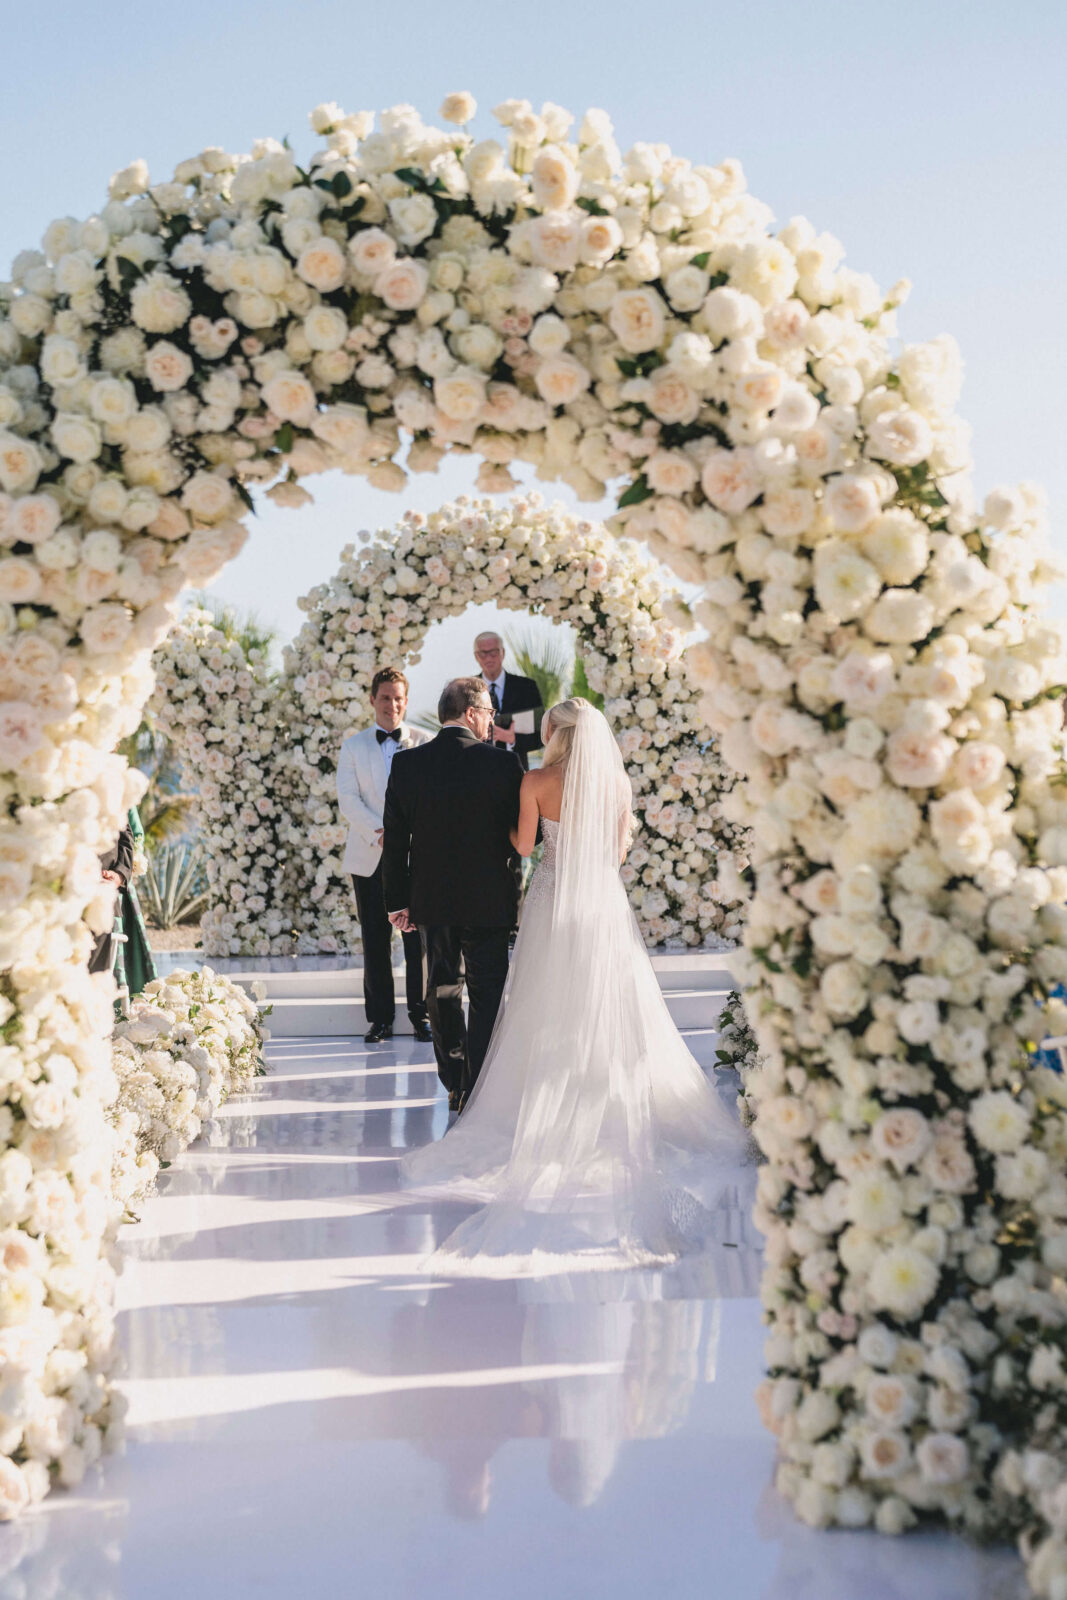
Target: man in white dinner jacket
{"x":362,"y":776}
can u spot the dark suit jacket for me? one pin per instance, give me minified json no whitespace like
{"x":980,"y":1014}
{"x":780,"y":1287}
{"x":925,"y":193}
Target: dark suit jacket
{"x":522,"y":694}
{"x":449,"y":810}
{"x":120,"y":858}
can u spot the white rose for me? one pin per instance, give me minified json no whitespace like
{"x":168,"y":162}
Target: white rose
{"x":402,"y":285}
{"x":159,"y":303}
{"x":731,"y":479}
{"x":669,"y":397}
{"x":942,"y":1458}
{"x":902,"y":437}
{"x":549,"y":335}
{"x":460,"y":395}
{"x":918,"y":760}
{"x":898,"y":545}
{"x":903,"y":1280}
{"x":105,"y":628}
{"x":61,"y":361}
{"x":845,"y":584}
{"x":638,"y":318}
{"x":208,"y":496}
{"x":325,"y":328}
{"x":554,"y":179}
{"x":852,"y":502}
{"x":372,"y":251}
{"x":20,"y":731}
{"x":899,"y":616}
{"x":901,"y":1137}
{"x":290,"y":397}
{"x":686,"y":287}
{"x":766,"y":270}
{"x":414,"y":218}
{"x":459,"y":108}
{"x":599,"y":239}
{"x":32,"y":519}
{"x":999,"y":1122}
{"x":167,"y":368}
{"x":76,"y":437}
{"x":554,"y":239}
{"x":560,"y":379}
{"x":322,"y":264}
{"x":843,"y":987}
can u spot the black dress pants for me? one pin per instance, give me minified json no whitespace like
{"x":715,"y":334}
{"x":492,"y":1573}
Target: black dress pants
{"x":379,"y":999}
{"x":479,"y":957}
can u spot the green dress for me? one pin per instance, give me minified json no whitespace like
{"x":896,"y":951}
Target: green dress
{"x":134,"y":966}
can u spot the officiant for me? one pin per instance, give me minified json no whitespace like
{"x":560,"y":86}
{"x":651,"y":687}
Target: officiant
{"x":516,"y":700}
{"x":363,"y":768}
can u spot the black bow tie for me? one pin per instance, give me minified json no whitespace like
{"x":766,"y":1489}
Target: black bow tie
{"x":381,"y":735}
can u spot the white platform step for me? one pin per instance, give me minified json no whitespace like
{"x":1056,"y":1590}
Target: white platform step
{"x":313,"y":979}
{"x":322,"y":1016}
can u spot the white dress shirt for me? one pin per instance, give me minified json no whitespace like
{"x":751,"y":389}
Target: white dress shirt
{"x":389,"y":747}
{"x":498,"y":685}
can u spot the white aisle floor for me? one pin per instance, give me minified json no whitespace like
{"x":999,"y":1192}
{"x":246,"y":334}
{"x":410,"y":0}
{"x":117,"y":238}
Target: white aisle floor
{"x":311,"y":1415}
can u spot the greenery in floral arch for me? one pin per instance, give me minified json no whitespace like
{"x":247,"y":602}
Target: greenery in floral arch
{"x":377,"y":610}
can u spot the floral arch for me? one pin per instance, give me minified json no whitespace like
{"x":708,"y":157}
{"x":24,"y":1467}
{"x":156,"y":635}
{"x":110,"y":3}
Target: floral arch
{"x":873,"y":664}
{"x":264,"y":750}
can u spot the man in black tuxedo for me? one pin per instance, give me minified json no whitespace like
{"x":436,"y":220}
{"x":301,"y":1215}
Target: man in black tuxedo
{"x":509,"y":693}
{"x":446,"y":869}
{"x":116,"y":866}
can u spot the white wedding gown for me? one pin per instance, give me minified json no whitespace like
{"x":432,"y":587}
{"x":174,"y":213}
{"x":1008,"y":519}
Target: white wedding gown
{"x":592,"y":1138}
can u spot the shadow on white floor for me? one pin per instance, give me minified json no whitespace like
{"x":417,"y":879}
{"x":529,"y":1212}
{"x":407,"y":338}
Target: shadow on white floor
{"x":311,"y":1415}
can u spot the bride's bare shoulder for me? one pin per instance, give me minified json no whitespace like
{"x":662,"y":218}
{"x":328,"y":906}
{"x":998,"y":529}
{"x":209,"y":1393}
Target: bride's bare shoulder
{"x":545,"y":784}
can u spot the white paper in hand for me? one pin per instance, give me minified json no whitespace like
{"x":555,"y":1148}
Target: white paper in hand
{"x":523,"y":721}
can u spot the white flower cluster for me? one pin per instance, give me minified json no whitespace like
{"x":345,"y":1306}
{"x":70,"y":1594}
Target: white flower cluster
{"x":630,"y":635}
{"x":874,"y":664}
{"x":737,"y":1048}
{"x":219,"y":703}
{"x":192,"y":1040}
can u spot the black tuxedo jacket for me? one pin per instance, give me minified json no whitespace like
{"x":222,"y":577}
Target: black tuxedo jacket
{"x":522,"y":694}
{"x":449,"y":810}
{"x":120,"y":857}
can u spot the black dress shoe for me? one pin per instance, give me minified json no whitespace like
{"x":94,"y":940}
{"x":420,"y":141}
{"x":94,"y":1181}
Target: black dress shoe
{"x":378,"y":1033}
{"x":422,"y":1032}
{"x":453,"y":1099}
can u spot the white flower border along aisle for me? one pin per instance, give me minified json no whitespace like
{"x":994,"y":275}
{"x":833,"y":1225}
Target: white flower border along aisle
{"x":227,"y":717}
{"x":377,"y":611}
{"x":191,"y":1042}
{"x":874,"y":663}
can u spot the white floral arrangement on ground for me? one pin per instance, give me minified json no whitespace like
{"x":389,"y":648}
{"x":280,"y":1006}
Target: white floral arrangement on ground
{"x":190,"y":1042}
{"x":737,"y":1050}
{"x":377,"y":611}
{"x":220,"y":705}
{"x":875,"y":665}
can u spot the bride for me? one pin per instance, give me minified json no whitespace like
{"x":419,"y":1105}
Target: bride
{"x":592,"y":1138}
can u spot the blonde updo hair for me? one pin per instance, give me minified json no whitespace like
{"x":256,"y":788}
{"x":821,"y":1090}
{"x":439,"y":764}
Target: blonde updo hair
{"x":557,"y":729}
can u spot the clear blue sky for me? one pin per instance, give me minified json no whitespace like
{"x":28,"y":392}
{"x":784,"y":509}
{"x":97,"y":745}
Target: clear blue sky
{"x":928,"y":137}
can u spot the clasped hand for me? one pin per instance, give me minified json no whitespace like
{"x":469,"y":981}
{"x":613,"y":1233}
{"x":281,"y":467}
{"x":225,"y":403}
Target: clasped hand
{"x":504,"y":736}
{"x":402,"y":921}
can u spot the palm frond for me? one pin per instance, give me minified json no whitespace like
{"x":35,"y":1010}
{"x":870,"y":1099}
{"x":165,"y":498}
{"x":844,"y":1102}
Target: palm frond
{"x":255,"y":636}
{"x":548,"y":660}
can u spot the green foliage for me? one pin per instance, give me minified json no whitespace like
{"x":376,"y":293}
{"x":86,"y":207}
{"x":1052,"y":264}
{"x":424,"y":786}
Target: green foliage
{"x":580,"y":685}
{"x":165,"y":809}
{"x":253,"y":635}
{"x":548,"y":661}
{"x":174,"y":889}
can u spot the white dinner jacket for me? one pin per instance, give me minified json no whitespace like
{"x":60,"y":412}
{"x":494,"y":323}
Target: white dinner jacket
{"x":361,"y":781}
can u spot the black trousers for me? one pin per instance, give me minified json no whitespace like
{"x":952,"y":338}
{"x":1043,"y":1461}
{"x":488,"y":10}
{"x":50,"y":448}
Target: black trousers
{"x":479,"y":957}
{"x":379,"y":999}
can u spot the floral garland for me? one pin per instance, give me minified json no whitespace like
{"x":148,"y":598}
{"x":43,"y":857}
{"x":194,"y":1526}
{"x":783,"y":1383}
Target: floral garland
{"x":378,"y":610}
{"x":222,"y":709}
{"x":874,"y":665}
{"x":192,"y":1039}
